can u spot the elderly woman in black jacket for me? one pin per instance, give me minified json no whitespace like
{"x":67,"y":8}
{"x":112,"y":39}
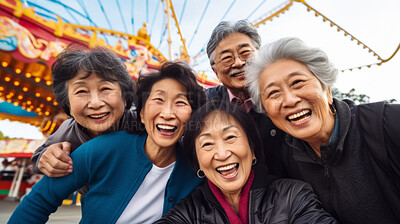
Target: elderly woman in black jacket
{"x":349,"y":153}
{"x":220,"y":140}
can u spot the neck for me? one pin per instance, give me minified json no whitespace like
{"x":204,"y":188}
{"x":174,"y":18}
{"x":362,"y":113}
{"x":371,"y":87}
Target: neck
{"x":323,"y":136}
{"x":159,"y":156}
{"x":240,"y":93}
{"x":233,"y":200}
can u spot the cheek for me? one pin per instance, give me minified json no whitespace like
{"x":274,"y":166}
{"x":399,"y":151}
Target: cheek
{"x":76,"y":105}
{"x":271,"y":108}
{"x":184,"y":114}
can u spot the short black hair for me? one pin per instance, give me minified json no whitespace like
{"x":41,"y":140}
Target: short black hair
{"x":173,"y":70}
{"x":196,"y":123}
{"x":100,"y":60}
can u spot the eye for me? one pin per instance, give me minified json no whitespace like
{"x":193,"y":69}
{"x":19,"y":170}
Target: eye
{"x":158,"y":99}
{"x":181,"y":103}
{"x":296,"y":82}
{"x":80,"y":92}
{"x":106,"y":88}
{"x":206,"y":146}
{"x":230,"y":138}
{"x":227,"y":58}
{"x":272,"y":93}
{"x":245,"y":53}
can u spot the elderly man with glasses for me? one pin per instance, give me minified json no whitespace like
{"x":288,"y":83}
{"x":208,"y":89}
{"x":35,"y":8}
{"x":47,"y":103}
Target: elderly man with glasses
{"x":228,"y":49}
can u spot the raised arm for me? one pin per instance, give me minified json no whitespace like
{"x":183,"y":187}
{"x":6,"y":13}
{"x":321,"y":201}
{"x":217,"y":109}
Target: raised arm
{"x":52,"y":158}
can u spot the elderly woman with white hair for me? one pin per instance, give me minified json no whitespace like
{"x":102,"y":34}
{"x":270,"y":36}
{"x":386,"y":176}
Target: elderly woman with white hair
{"x":349,"y":153}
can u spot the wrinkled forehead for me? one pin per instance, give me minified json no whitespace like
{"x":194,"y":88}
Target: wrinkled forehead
{"x":234,"y":42}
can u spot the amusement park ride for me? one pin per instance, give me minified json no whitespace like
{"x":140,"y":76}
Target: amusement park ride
{"x":30,"y":41}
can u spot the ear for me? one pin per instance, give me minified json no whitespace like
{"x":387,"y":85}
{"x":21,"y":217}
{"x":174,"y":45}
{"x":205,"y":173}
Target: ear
{"x":141,"y":116}
{"x":329,"y":96}
{"x":216,"y":73}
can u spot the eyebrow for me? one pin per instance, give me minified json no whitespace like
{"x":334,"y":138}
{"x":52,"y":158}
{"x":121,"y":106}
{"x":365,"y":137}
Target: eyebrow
{"x":238,"y":47}
{"x":223,"y":130}
{"x":273,"y":83}
{"x":182,"y":95}
{"x":81,"y":81}
{"x":159,"y":91}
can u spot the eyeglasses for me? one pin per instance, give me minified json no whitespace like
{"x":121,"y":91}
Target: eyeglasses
{"x":229,"y":59}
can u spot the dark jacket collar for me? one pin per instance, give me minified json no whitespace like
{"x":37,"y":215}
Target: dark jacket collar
{"x":344,"y":116}
{"x":261,"y":180}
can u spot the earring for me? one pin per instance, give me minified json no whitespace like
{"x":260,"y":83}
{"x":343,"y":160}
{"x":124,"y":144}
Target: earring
{"x":254,"y":161}
{"x":332,"y":110}
{"x":200,"y":173}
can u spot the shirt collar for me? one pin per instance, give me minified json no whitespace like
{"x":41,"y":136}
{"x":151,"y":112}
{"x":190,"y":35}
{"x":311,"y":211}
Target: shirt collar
{"x":246,"y":105}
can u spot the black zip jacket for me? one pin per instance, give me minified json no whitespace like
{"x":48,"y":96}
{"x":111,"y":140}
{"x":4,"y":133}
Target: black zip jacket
{"x":356,"y":182}
{"x":270,"y":201}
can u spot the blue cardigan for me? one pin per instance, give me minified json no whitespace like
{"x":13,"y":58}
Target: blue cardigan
{"x":114,"y":165}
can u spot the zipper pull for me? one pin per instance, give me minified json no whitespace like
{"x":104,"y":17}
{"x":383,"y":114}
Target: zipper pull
{"x":326,"y":171}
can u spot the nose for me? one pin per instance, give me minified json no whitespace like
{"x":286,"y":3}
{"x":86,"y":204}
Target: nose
{"x":290,"y":99}
{"x":167,"y":111}
{"x":95,"y":100}
{"x":238,"y":62}
{"x":222,"y":152}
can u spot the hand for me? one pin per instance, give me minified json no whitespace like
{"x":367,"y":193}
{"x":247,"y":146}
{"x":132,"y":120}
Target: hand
{"x":55,"y":161}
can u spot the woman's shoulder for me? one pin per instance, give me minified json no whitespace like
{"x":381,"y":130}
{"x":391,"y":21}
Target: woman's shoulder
{"x":114,"y":139}
{"x":290,"y":186}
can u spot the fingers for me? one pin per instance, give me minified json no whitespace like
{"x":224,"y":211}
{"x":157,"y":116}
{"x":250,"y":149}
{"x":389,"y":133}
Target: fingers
{"x":55,"y":161}
{"x":64,"y":153}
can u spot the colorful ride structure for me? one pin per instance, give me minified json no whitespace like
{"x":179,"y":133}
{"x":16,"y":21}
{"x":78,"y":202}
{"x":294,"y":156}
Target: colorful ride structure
{"x":28,"y":47}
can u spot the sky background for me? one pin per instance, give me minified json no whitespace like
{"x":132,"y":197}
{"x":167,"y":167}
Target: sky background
{"x":375,"y":23}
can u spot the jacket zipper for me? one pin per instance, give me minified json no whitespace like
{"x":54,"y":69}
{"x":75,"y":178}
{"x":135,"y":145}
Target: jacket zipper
{"x":331,"y":194}
{"x":250,"y":207}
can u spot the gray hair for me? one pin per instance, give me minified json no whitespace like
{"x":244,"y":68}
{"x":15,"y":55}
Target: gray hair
{"x":288,"y":48}
{"x":224,"y":29}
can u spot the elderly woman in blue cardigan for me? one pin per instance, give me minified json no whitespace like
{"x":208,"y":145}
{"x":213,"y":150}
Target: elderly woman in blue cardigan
{"x":132,"y":178}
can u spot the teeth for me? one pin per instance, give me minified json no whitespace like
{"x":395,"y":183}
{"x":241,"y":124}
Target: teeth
{"x":228,"y":167}
{"x":98,"y":116}
{"x":299,"y":121}
{"x":165,"y":127}
{"x":297,"y":115}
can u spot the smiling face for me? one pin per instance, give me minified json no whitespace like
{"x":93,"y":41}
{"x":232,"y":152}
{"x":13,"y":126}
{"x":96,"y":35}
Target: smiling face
{"x":95,"y":103}
{"x":234,"y":45}
{"x":296,"y":101}
{"x":224,"y":153}
{"x":165,"y":113}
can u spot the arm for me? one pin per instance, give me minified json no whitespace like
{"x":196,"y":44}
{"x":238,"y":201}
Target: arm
{"x":391,"y":121}
{"x":304,"y":206}
{"x":52,"y":158}
{"x":49,"y":193}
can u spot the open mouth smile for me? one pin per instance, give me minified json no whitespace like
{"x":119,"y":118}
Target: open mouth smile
{"x":299,"y":117}
{"x":237,"y":74}
{"x":163,"y":128}
{"x":229,"y":170}
{"x":98,"y":116}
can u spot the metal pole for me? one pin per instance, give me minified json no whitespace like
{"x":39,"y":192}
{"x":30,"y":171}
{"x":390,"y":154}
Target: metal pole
{"x":169,"y":29}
